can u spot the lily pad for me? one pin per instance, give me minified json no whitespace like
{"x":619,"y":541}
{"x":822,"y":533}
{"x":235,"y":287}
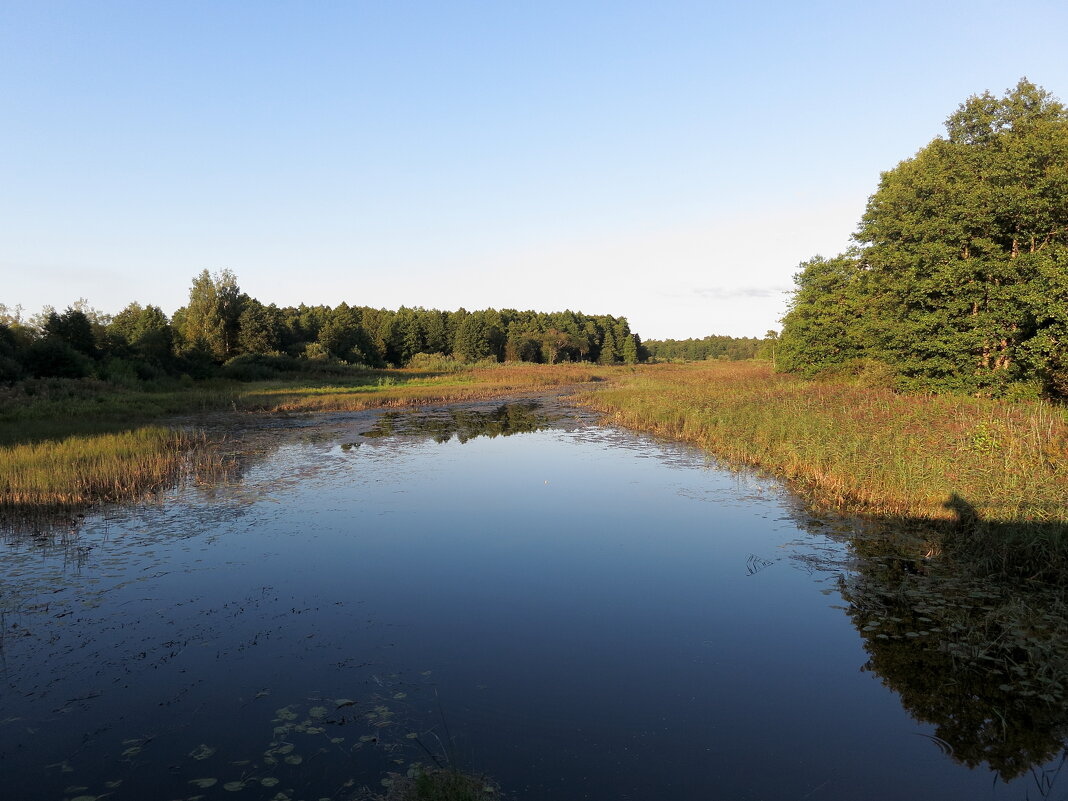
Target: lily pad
{"x":285,"y":713}
{"x":202,"y":751}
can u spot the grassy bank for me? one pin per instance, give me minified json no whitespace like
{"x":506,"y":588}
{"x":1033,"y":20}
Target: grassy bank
{"x":45,"y":408}
{"x":996,"y":469}
{"x":79,"y":470}
{"x":76,"y":442}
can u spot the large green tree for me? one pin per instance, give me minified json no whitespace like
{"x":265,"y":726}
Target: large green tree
{"x":958,"y":283}
{"x":211,"y":320}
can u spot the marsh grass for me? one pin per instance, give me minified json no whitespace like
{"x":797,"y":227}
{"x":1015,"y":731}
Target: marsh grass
{"x":54,"y":408}
{"x":79,"y":470}
{"x":997,"y":470}
{"x":66,"y":443}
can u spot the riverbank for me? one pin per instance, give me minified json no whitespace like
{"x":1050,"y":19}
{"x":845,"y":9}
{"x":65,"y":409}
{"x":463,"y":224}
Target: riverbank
{"x":992,"y":476}
{"x":70,"y":443}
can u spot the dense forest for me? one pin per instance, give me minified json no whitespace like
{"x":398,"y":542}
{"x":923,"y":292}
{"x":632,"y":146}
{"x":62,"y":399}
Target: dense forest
{"x":223,"y":331}
{"x":959,"y":278}
{"x":710,"y":347}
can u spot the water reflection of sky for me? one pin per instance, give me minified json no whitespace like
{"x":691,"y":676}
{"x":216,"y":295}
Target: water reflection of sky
{"x":587,"y":613}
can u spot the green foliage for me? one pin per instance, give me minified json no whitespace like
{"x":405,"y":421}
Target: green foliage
{"x":822,"y":327}
{"x":697,"y":350}
{"x":260,"y":328}
{"x":147,"y":333}
{"x":961,"y":282}
{"x":212,"y":318}
{"x":71,"y":328}
{"x":220,"y":325}
{"x":52,"y":357}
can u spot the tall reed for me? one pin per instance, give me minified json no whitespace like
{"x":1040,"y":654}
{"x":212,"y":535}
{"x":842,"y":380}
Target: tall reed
{"x":80,"y":470}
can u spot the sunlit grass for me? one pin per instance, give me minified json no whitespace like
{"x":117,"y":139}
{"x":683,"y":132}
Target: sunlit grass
{"x":79,"y":470}
{"x":402,"y":388}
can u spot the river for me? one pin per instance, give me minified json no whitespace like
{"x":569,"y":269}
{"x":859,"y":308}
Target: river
{"x":510,"y":588}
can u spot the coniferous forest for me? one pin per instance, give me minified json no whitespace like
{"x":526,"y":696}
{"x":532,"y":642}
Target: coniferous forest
{"x":959,"y":277}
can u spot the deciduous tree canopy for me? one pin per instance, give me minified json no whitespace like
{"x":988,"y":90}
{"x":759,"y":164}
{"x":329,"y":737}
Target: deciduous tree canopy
{"x":960,"y":277}
{"x":223,"y":328}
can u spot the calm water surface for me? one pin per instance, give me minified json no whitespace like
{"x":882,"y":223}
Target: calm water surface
{"x":579,"y":612}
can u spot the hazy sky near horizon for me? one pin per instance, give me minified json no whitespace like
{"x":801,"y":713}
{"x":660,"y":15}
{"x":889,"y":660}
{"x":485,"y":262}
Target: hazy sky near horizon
{"x":668,"y":161}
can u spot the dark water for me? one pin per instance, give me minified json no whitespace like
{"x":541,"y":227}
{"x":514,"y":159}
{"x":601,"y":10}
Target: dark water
{"x":577,"y":611}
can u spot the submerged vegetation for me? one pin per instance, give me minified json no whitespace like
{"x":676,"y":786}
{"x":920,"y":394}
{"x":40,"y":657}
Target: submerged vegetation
{"x":440,"y":784}
{"x":984,"y":662}
{"x":992,"y":474}
{"x":465,"y":424}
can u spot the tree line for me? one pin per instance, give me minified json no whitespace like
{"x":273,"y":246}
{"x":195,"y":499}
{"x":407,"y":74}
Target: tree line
{"x":221,"y":330}
{"x":711,"y":347}
{"x":959,"y":277}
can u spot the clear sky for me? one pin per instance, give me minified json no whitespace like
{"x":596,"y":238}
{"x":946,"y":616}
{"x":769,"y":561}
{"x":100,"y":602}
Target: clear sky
{"x":667,"y":161}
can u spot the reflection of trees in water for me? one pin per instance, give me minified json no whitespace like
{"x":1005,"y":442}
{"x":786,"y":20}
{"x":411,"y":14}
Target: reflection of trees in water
{"x":464,"y":423}
{"x":983,"y":659}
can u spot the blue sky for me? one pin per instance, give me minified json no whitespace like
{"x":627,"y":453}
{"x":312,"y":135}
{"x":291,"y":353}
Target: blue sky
{"x":667,"y":161}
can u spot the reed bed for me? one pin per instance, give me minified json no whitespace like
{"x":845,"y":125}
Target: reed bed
{"x":860,"y":449}
{"x":81,"y":470}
